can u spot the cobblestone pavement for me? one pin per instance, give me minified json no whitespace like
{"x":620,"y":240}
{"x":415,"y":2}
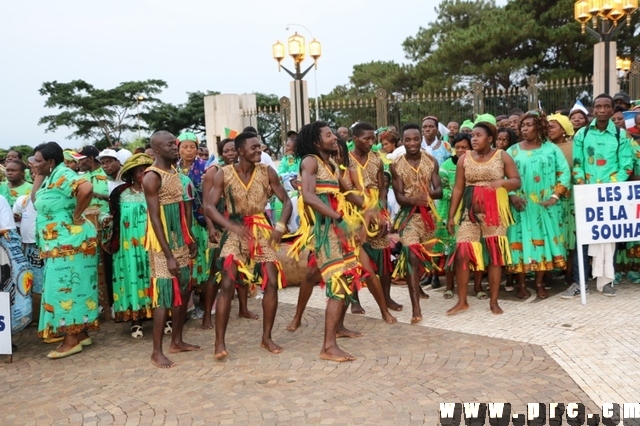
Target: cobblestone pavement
{"x":401,"y":374}
{"x":596,"y":343}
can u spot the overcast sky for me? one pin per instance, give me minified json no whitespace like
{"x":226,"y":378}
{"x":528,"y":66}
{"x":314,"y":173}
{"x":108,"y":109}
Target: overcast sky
{"x":222,"y":45}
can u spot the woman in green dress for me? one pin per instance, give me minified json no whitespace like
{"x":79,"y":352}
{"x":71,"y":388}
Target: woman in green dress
{"x":68,"y":243}
{"x":18,"y":186}
{"x":194,"y":167}
{"x":536,"y":240}
{"x":131,"y":280}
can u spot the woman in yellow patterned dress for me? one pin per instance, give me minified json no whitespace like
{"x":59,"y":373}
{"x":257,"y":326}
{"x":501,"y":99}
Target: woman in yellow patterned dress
{"x":67,"y":242}
{"x":484,"y":177}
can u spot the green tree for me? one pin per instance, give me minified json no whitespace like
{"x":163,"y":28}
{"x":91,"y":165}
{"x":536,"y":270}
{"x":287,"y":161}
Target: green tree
{"x":269,"y":121}
{"x":498,"y":45}
{"x":178,"y":118}
{"x":473,"y":41}
{"x":366,"y":78}
{"x":102,"y":116}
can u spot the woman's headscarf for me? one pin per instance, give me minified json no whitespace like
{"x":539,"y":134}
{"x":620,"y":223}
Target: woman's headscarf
{"x":467,"y":124}
{"x":564,"y":121}
{"x":132,"y":162}
{"x":486,"y":118}
{"x":188,"y":136}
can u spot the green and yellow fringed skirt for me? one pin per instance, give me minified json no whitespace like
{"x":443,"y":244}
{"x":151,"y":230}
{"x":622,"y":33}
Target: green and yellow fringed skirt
{"x":165,"y":292}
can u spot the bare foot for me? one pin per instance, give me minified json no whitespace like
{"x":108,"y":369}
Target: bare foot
{"x":270,"y":346}
{"x":336,"y":354}
{"x":345,"y":332}
{"x":207,"y":324}
{"x":394,"y":306}
{"x":423,"y":295}
{"x":357,"y":309}
{"x":388,"y":318}
{"x":495,"y":309}
{"x":174,"y":348}
{"x":523,"y":293}
{"x":459,"y":307}
{"x":161,"y":361}
{"x":248,"y":314}
{"x":294,"y":324}
{"x":220,"y":352}
{"x":416,"y":319}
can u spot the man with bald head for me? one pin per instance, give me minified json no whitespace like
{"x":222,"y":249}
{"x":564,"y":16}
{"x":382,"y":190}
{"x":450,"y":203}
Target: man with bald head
{"x":170,"y":245}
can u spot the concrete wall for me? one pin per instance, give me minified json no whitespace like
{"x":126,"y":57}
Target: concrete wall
{"x":230,"y":110}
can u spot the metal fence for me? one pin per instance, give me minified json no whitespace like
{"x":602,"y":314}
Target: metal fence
{"x":383,"y":109}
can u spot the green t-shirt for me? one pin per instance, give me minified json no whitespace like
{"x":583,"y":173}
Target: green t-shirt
{"x":14,"y":193}
{"x":100,"y":182}
{"x":599,"y":157}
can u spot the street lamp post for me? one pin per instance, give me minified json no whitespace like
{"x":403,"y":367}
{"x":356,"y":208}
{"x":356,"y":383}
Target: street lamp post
{"x":609,"y":12}
{"x":139,"y":98}
{"x":299,"y":98}
{"x":623,"y":65}
{"x":315,"y":71}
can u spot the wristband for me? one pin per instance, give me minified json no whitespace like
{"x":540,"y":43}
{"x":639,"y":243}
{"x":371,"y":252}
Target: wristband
{"x":280,"y":227}
{"x":555,"y":196}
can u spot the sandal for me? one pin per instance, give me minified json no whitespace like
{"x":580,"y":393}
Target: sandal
{"x":136,"y":332}
{"x":541,"y":291}
{"x":448,"y":294}
{"x":168,"y":327}
{"x":481,"y":295}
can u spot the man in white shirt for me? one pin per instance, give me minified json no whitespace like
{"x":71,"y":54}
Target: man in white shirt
{"x":111,"y":165}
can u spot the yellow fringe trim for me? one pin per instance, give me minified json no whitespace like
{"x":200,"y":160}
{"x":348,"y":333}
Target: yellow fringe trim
{"x":503,"y":242}
{"x":304,"y":235}
{"x":338,"y":283}
{"x":502,"y":196}
{"x":479,"y":255}
{"x":151,"y":241}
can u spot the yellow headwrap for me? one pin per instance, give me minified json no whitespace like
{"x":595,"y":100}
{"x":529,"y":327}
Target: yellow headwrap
{"x":564,"y":121}
{"x":133,"y":162}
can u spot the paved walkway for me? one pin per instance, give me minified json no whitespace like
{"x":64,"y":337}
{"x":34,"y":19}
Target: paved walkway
{"x":538,"y":351}
{"x":596,"y":344}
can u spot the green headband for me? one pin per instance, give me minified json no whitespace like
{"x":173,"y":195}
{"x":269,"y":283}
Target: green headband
{"x":468,"y":124}
{"x":188,"y":136}
{"x":487,"y":118}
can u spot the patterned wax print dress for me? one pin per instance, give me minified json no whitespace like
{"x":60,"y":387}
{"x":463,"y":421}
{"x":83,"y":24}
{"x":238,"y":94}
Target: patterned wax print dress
{"x":537,"y":242}
{"x":131,"y":282}
{"x":70,"y":253}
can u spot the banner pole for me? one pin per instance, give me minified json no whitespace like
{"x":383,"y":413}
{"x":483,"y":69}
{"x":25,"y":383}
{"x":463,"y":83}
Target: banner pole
{"x":583,"y":287}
